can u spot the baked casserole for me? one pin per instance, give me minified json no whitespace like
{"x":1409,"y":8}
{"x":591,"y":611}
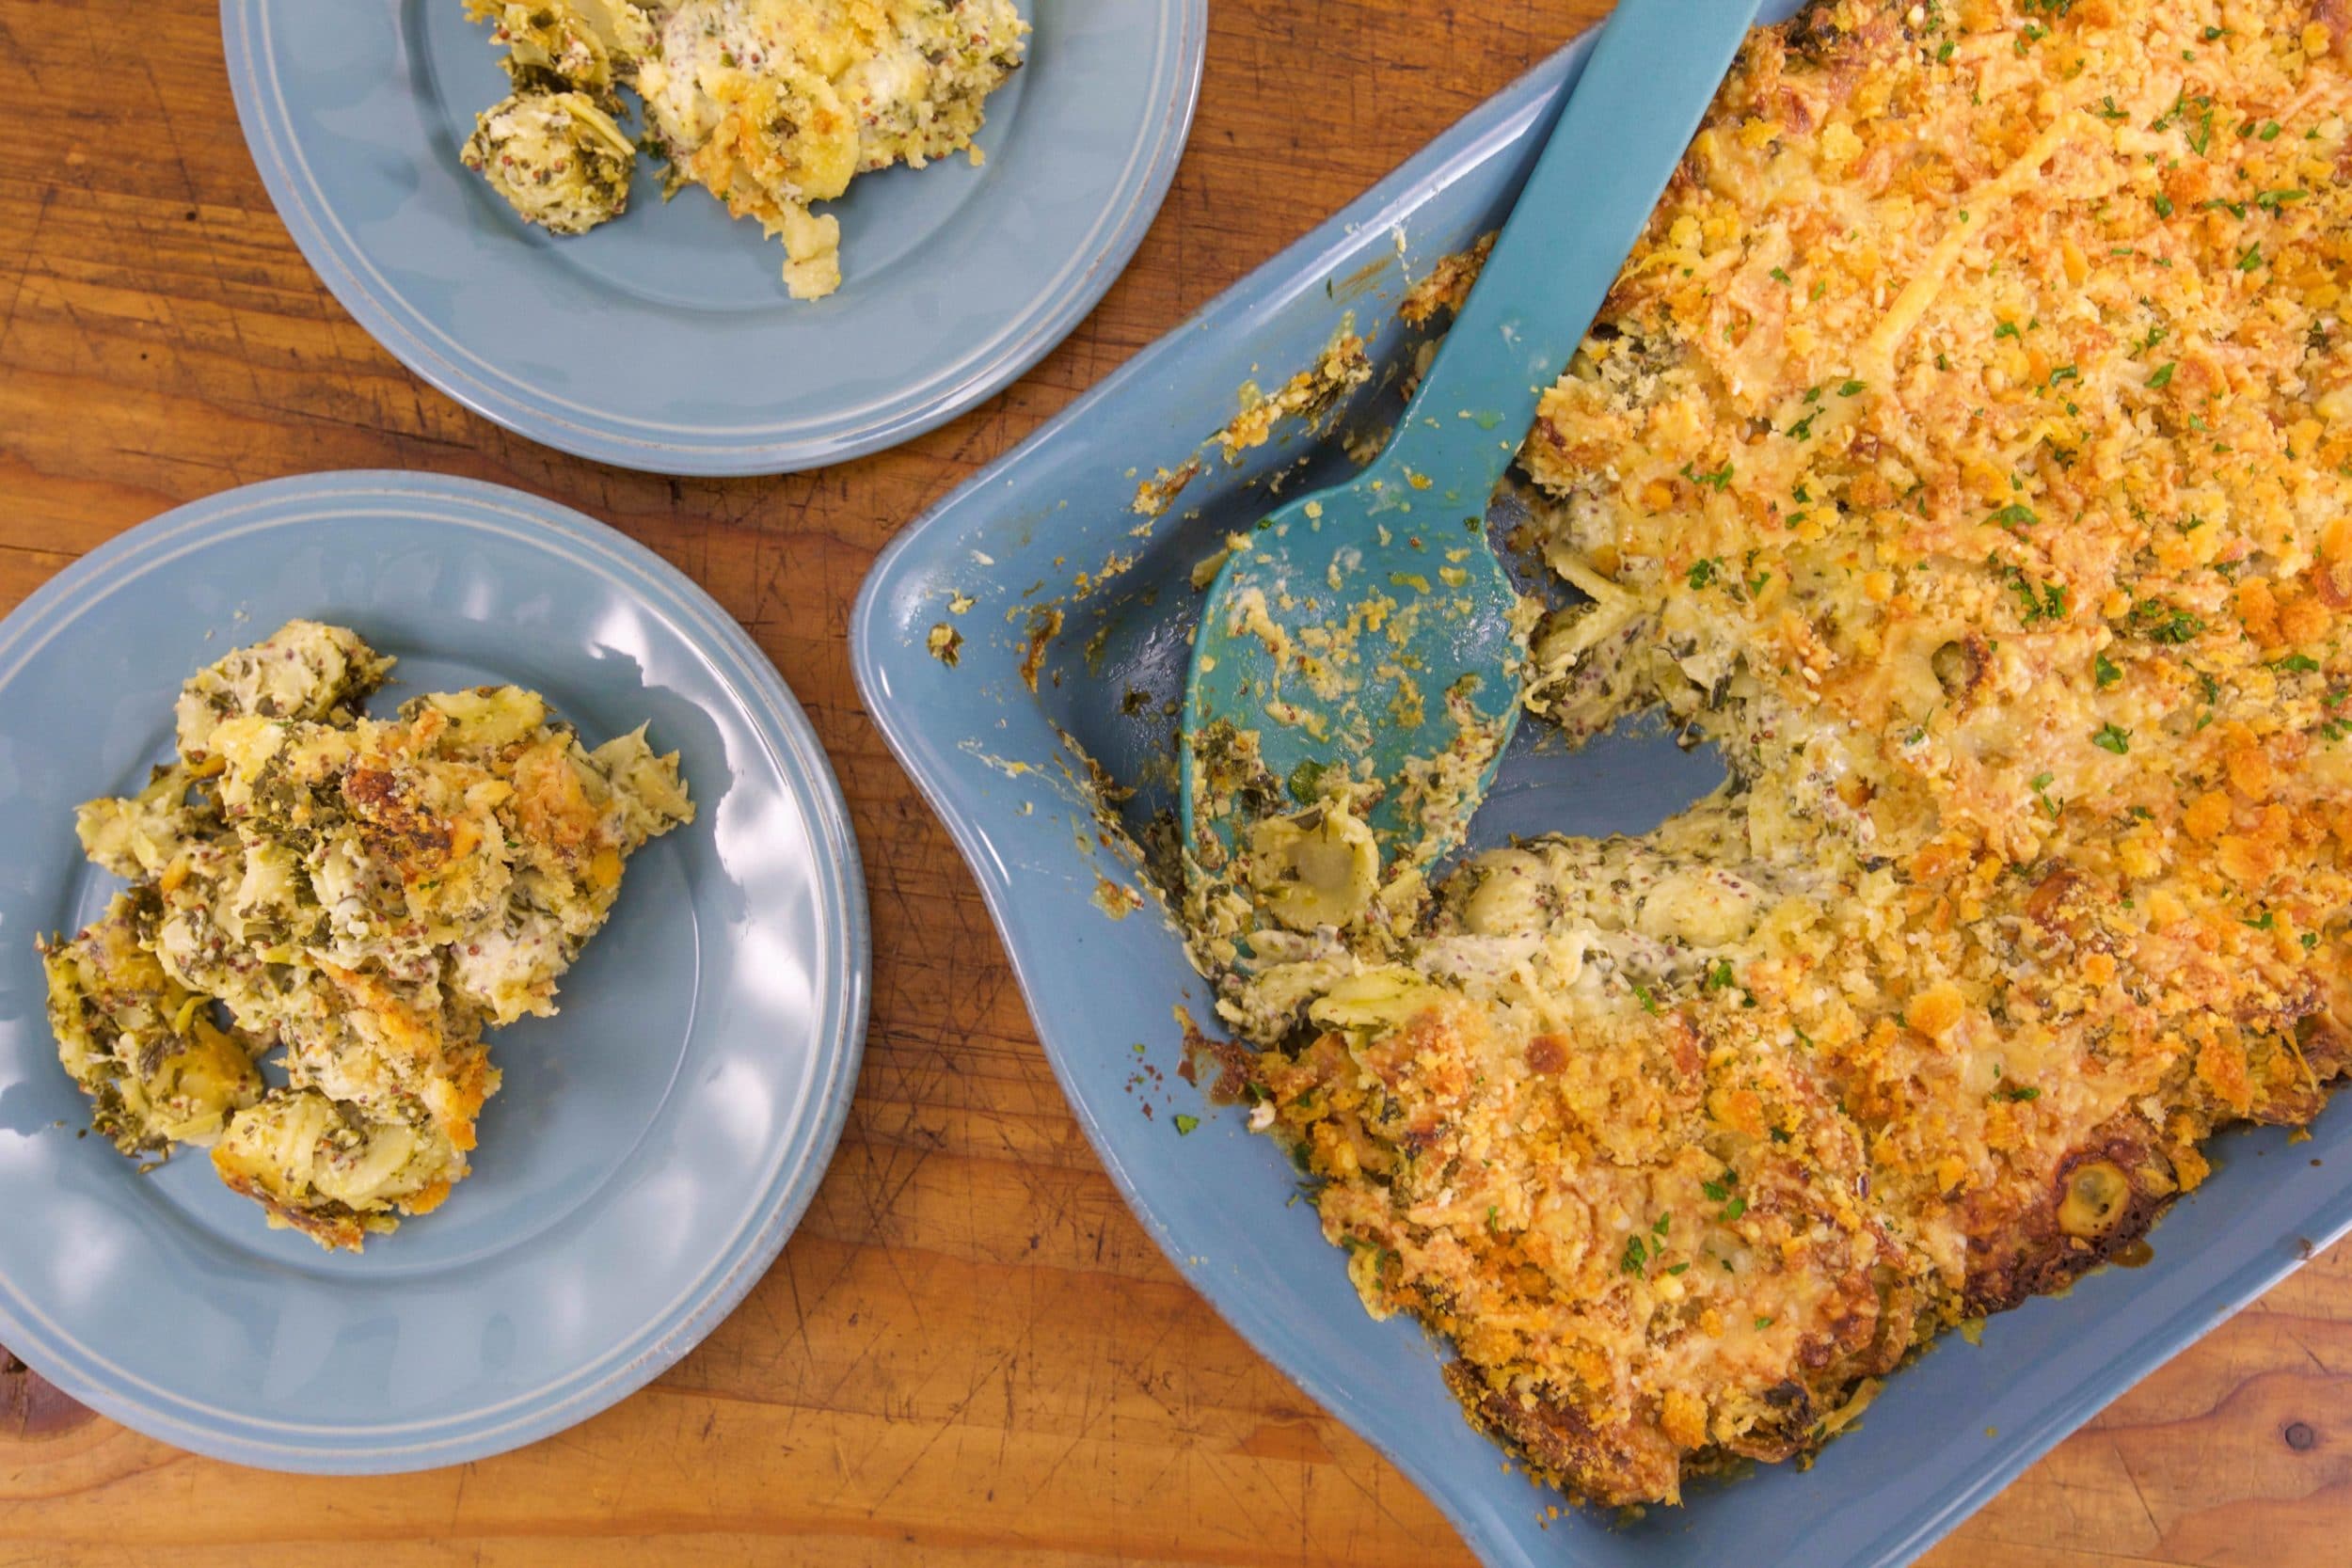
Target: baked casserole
{"x":1965,"y":452}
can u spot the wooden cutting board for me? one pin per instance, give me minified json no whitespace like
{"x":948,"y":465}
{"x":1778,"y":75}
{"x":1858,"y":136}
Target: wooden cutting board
{"x":970,"y":1355}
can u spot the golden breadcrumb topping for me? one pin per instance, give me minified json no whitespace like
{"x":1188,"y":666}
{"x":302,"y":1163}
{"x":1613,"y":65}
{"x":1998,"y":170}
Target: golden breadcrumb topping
{"x":1966,"y":451}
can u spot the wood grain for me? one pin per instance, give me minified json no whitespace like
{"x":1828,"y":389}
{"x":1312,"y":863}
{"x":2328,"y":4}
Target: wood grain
{"x":970,"y":1355}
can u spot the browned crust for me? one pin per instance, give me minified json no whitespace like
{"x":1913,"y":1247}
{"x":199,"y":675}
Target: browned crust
{"x":2336,"y":16}
{"x":1630,"y":1464}
{"x":337,"y":1230}
{"x":2016,"y":1248}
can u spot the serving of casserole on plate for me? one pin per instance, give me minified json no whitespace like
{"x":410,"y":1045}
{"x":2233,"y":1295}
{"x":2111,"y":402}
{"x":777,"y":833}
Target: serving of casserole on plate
{"x":664,"y":337}
{"x":370,"y":895}
{"x":366,"y":897}
{"x":1954,"y":459}
{"x":770,"y":105}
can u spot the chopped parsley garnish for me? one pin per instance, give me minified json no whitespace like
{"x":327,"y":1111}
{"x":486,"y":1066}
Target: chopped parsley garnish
{"x":2016,"y":514}
{"x":1852,"y":389}
{"x":2163,"y":377}
{"x":2252,"y":258}
{"x":1783,"y":278}
{"x":1733,"y":1209}
{"x":1715,"y":1190}
{"x":2163,"y":205}
{"x":2016,"y":1092}
{"x":1762,"y":1324}
{"x":2160,"y":621}
{"x":1702,"y":572}
{"x":2269,"y":921}
{"x":1661,"y":1224}
{"x":2037,"y":601}
{"x":1636,"y":1256}
{"x":1306,"y":782}
{"x":2105,"y":672}
{"x":1719,"y":479}
{"x":1719,"y":975}
{"x":2110,"y":739}
{"x":2299,"y":663}
{"x":2006,"y":329}
{"x":1641,"y":993}
{"x":1185,"y":1124}
{"x":2064,"y":372}
{"x":2056,"y":809}
{"x":2273,"y":200}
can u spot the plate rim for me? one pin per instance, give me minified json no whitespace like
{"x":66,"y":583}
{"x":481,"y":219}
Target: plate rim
{"x":536,"y":415}
{"x":844,"y":986}
{"x":1966,"y":1486}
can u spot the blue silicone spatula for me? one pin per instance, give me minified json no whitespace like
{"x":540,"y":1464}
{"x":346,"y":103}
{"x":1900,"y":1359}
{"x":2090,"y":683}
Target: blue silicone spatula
{"x":1363,"y":631}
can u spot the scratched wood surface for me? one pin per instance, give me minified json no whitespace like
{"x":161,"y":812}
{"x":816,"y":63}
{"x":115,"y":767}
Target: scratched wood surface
{"x":970,"y":1355}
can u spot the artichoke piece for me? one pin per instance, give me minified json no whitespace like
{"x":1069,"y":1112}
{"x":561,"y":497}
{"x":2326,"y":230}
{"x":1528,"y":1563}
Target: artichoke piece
{"x":559,"y":159}
{"x":139,"y":836}
{"x":157,"y":1070}
{"x":328,"y":1170}
{"x":1318,"y":868}
{"x":646,"y":787}
{"x":303,"y":670}
{"x":1376,"y":1000}
{"x":587,"y":46}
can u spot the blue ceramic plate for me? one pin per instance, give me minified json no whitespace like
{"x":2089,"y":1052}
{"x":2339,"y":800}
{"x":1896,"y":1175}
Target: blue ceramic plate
{"x":654,"y":1144}
{"x":664,"y":339}
{"x":1945,"y":1433}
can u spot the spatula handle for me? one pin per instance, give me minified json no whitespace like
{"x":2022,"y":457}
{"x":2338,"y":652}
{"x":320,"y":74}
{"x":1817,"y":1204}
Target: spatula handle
{"x":1627,"y":121}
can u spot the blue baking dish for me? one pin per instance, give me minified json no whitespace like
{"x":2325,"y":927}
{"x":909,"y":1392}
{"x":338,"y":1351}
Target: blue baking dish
{"x":1078,"y":603}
